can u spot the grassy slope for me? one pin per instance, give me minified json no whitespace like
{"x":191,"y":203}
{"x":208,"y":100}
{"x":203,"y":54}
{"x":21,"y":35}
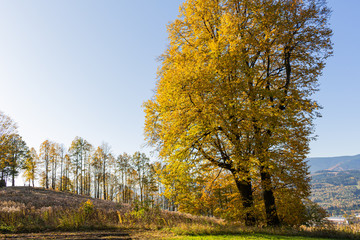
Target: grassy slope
{"x":25,"y":209}
{"x":42,"y":198}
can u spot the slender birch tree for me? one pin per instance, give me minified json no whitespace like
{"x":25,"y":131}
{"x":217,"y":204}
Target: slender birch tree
{"x":45,"y":148}
{"x":31,"y":167}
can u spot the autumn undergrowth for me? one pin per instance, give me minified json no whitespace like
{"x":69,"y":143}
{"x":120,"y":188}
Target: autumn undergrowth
{"x":90,"y":214}
{"x":16,"y":218}
{"x":52,"y":219}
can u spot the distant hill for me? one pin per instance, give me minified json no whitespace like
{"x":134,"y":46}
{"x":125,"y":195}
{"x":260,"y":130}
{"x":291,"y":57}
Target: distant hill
{"x":334,"y":163}
{"x":335,"y":183}
{"x":337,"y":191}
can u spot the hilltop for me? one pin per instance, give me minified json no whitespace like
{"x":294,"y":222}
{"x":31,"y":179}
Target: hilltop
{"x":38,"y":198}
{"x":334,"y":163}
{"x":27,"y":209}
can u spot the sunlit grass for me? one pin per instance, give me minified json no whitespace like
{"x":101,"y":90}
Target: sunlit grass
{"x":25,"y":209}
{"x":249,"y":237}
{"x":37,"y":210}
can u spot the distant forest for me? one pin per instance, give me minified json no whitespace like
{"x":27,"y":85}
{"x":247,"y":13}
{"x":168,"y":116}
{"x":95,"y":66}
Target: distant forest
{"x":82,"y":169}
{"x":337,"y":192}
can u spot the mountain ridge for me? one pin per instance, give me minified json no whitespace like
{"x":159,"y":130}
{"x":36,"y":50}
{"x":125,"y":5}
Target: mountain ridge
{"x":339,"y":163}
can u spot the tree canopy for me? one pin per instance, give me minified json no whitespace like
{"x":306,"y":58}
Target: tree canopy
{"x":235,"y":91}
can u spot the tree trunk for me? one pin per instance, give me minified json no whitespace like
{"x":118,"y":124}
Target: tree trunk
{"x":98,"y":188}
{"x":13,"y":179}
{"x":245,"y":190}
{"x":61,"y":172}
{"x":272,"y":218}
{"x":104,"y":180}
{"x":81,"y":174}
{"x":46,"y":173}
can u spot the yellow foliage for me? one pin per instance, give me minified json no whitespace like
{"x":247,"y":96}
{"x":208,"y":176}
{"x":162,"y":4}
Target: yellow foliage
{"x":234,"y":92}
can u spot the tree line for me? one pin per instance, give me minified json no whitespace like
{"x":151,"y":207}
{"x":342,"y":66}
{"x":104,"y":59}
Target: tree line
{"x":95,"y":171}
{"x":81,"y":168}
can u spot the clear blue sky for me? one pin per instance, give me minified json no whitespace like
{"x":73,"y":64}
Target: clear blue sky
{"x":84,"y":68}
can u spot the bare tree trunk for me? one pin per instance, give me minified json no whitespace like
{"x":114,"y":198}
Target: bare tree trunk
{"x":245,"y":189}
{"x":46,"y":172}
{"x":104,"y":180}
{"x":272,"y":218}
{"x":13,"y":178}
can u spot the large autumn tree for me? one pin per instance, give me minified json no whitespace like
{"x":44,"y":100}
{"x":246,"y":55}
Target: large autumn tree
{"x":17,"y":153}
{"x":235,"y":90}
{"x":8,"y":129}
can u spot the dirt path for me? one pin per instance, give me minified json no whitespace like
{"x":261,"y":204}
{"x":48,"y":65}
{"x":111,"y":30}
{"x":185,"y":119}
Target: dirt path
{"x":78,"y":235}
{"x":93,"y":235}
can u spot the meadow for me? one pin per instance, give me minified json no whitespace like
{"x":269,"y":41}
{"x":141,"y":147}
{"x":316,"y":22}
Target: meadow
{"x":249,"y":237}
{"x":26,"y":211}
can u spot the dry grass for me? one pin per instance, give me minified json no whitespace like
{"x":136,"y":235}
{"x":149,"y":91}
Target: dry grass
{"x":42,"y":198}
{"x":335,"y":231}
{"x":26,"y":209}
{"x":329,"y":231}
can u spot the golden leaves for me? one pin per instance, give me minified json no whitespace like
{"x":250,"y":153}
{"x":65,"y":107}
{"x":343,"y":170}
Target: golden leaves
{"x":235,"y":86}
